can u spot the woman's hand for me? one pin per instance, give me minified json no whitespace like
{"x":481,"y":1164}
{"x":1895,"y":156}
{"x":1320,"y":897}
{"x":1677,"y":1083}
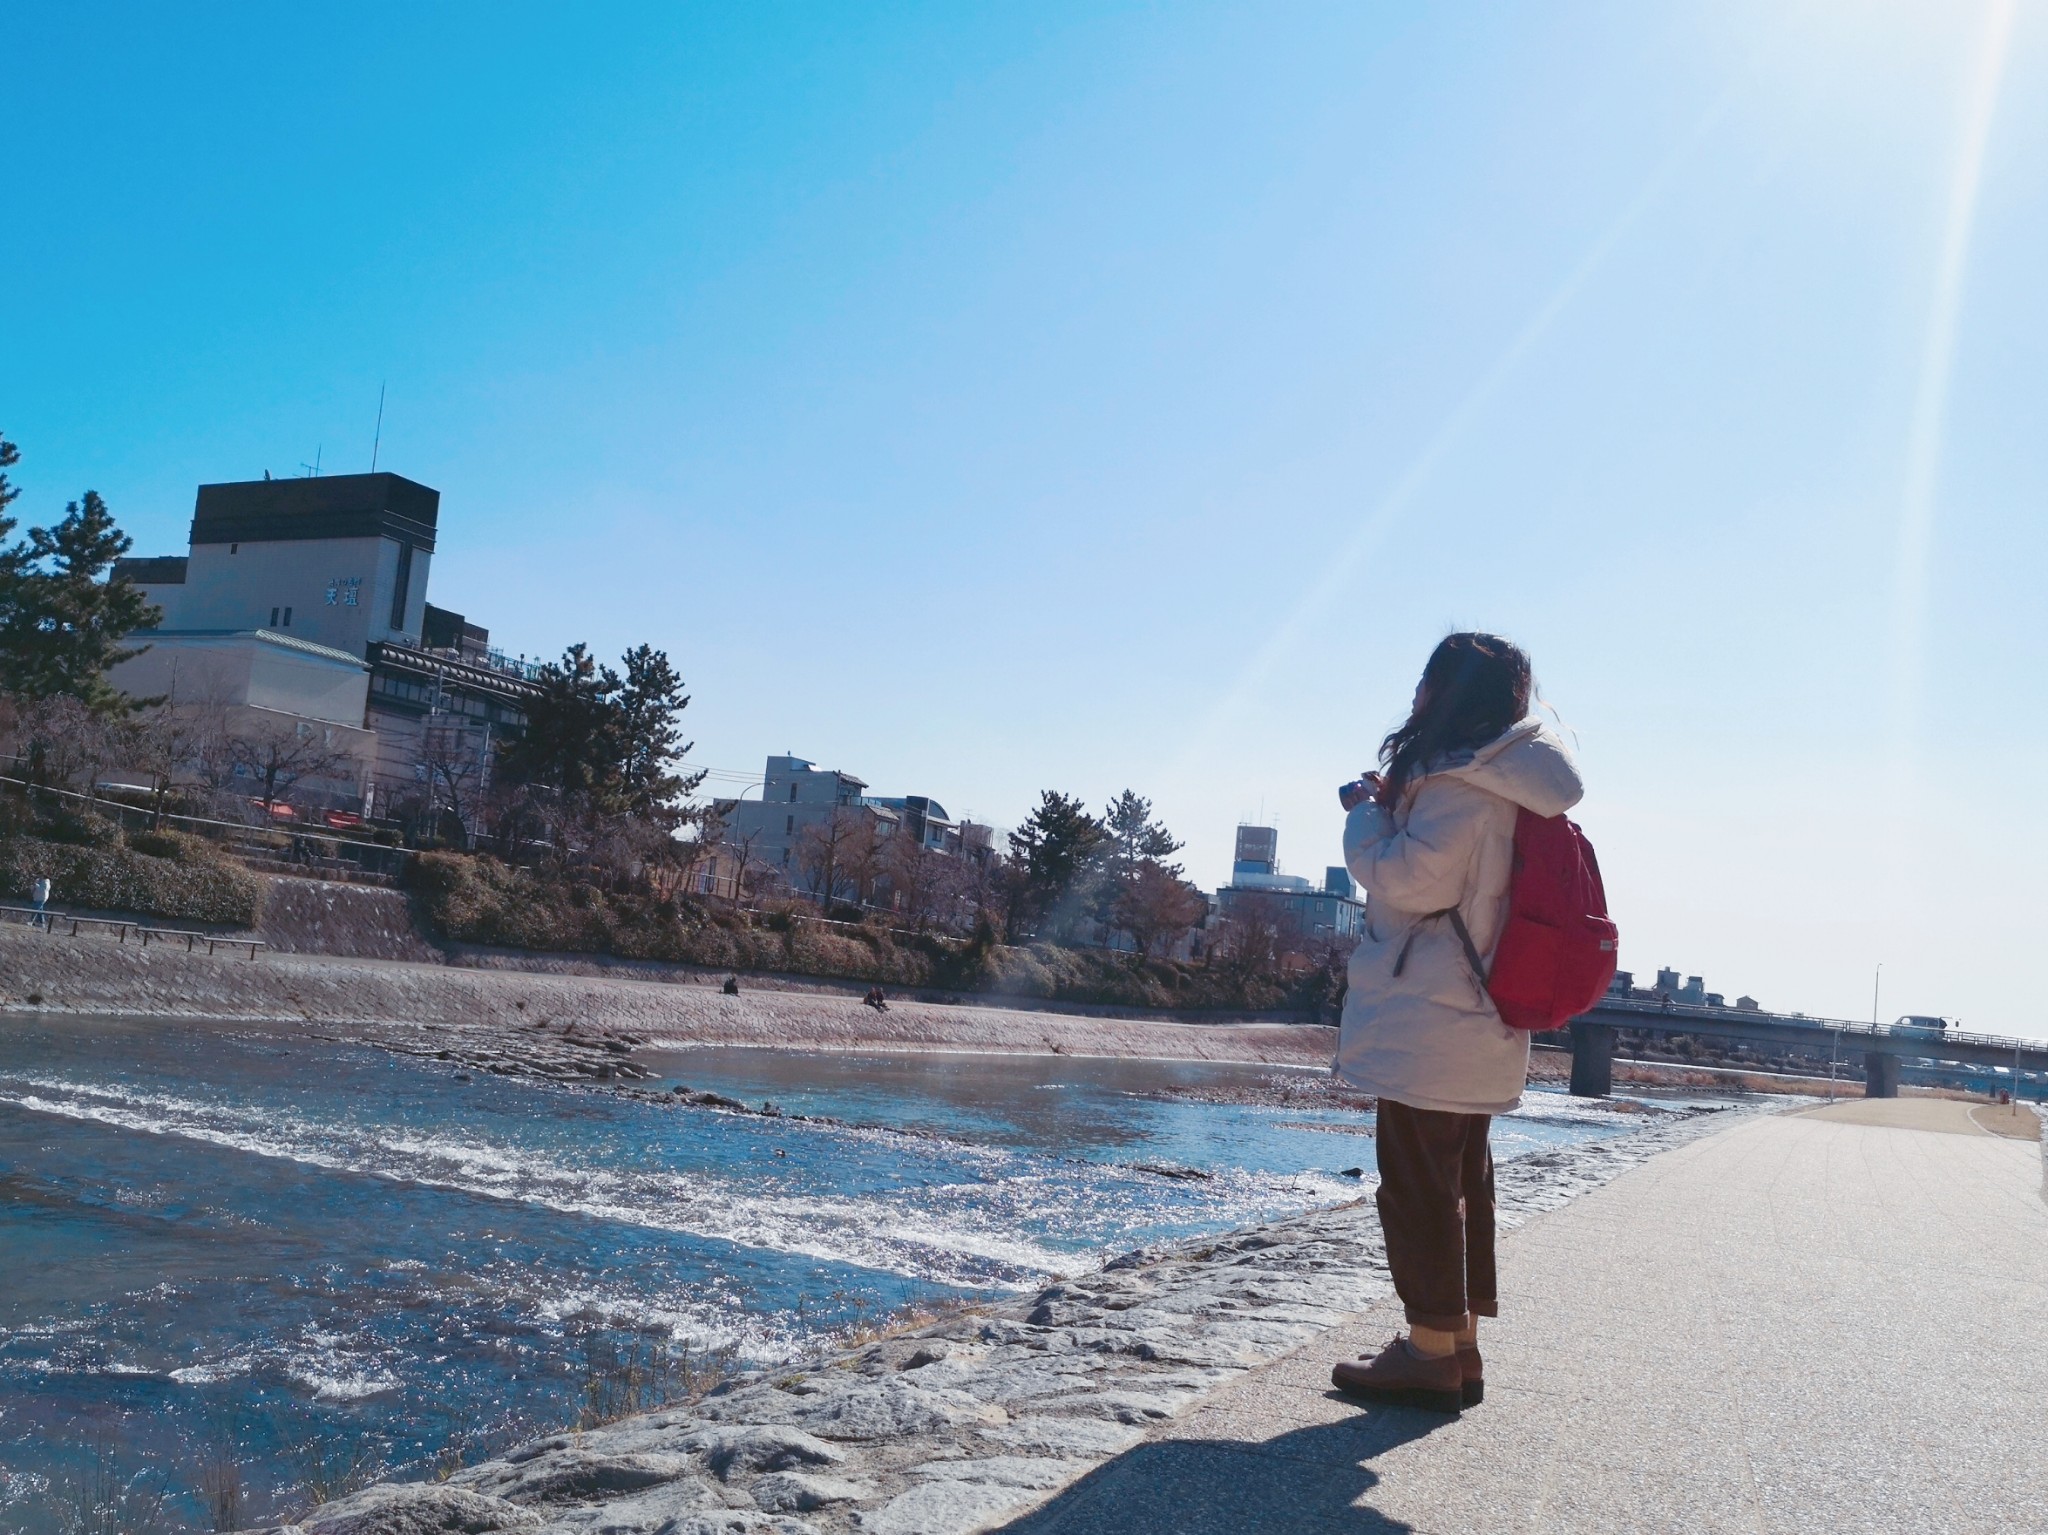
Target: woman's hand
{"x":1359,"y":790}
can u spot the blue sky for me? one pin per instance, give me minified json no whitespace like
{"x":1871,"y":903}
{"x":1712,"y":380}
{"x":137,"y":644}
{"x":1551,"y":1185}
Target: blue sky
{"x":992,"y":399}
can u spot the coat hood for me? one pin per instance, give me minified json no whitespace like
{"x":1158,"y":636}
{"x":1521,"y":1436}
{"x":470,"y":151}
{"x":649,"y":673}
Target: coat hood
{"x":1527,"y":765}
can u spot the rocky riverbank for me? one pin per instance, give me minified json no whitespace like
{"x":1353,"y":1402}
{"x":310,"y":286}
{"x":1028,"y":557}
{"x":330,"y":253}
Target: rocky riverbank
{"x":575,"y":1025}
{"x":975,"y":1419}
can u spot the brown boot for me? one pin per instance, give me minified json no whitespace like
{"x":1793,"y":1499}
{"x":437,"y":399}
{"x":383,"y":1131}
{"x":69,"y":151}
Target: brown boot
{"x":1472,"y":1371}
{"x":1405,"y":1378}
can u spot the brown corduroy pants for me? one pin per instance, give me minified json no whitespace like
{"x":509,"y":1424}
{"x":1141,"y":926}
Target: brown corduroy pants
{"x":1436,"y":1209}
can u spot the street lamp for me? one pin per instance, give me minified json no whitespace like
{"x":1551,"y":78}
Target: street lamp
{"x":740,"y":869}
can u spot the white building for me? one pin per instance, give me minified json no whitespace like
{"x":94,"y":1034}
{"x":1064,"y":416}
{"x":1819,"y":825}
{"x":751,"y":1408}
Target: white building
{"x":302,"y":605}
{"x":1332,"y":911}
{"x":799,"y":797}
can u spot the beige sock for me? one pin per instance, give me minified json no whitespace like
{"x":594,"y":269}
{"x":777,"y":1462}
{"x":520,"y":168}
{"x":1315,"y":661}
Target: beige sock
{"x":1431,"y":1342}
{"x":1468,"y":1335}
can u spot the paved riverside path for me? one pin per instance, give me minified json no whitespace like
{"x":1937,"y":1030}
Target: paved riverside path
{"x":1798,"y":1324}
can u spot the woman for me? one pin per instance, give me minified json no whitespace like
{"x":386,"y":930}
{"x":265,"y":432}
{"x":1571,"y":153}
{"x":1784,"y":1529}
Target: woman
{"x":1433,"y":833}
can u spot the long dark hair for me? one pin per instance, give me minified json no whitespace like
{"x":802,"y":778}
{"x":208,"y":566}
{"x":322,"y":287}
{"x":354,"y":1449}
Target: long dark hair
{"x":1474,"y":688}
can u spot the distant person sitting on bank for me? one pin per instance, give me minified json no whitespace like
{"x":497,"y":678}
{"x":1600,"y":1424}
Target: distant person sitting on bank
{"x":1429,"y":835}
{"x":876,"y":1000}
{"x":39,"y":893}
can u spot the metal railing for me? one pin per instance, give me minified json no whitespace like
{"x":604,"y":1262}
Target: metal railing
{"x":49,"y":921}
{"x":1843,"y":1026}
{"x":374,"y":857}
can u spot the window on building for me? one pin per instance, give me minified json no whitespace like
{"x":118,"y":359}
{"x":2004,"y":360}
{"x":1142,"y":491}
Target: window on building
{"x":398,"y":587}
{"x":287,"y":618}
{"x":273,"y":618}
{"x":792,"y":793}
{"x":789,"y":826}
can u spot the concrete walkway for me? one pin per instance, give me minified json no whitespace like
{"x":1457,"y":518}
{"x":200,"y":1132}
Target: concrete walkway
{"x":1800,"y":1324}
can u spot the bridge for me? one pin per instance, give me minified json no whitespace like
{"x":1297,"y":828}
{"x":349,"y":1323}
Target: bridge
{"x":1882,"y":1047}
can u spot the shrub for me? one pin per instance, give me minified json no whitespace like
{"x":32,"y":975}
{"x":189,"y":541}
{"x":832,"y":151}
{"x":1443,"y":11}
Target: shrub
{"x":80,"y":828}
{"x":157,"y":844}
{"x":190,"y":884}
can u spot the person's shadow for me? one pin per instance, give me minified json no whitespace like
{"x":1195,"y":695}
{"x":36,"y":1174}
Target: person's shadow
{"x":1309,"y":1480}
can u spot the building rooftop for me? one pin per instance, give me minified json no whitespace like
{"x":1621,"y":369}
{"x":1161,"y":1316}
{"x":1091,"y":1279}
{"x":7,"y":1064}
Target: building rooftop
{"x":326,"y":506}
{"x":262,"y":636}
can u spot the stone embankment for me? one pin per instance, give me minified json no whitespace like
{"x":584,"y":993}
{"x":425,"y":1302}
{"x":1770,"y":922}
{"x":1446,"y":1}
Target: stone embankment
{"x":513,"y":1016}
{"x":968,"y":1422}
{"x":320,"y":916}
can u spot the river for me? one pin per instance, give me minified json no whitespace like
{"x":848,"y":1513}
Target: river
{"x":253,"y":1253}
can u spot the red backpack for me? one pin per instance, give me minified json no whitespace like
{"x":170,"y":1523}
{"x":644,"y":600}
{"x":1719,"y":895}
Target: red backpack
{"x":1558,"y":950}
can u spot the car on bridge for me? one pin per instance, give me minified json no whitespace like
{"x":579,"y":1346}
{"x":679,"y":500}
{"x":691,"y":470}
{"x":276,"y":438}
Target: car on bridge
{"x":1924,"y":1025}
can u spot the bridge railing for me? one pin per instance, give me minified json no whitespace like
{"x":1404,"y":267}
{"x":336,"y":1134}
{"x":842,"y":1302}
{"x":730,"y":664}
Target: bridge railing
{"x":1843,"y":1026}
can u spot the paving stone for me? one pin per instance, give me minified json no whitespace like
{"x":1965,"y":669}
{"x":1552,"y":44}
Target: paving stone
{"x":1793,"y":1325}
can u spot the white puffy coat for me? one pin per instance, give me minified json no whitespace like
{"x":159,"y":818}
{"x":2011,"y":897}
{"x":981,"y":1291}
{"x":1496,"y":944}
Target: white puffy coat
{"x":1430,"y":1037}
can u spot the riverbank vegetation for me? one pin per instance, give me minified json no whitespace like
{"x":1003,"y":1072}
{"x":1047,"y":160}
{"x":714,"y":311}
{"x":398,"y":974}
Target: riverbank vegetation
{"x":481,"y":900}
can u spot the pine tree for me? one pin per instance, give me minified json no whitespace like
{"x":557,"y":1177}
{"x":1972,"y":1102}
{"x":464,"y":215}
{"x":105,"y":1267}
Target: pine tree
{"x":1056,"y":853}
{"x":571,"y":741}
{"x":13,"y":556}
{"x":1135,"y":838}
{"x":649,"y":709}
{"x":599,"y":761}
{"x":64,"y":615}
{"x":1136,"y":847}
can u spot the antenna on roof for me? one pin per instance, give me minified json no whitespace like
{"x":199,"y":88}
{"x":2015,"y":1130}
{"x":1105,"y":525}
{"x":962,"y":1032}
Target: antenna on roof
{"x":312,"y":469}
{"x":377,"y":441}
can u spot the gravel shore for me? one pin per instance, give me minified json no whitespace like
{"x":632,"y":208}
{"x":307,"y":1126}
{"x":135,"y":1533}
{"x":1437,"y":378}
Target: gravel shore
{"x":572,"y":1025}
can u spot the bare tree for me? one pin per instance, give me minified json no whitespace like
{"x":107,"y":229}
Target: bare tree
{"x":867,"y":854}
{"x":761,"y":880}
{"x":826,"y":848}
{"x":693,"y":843}
{"x":456,"y":757}
{"x":917,"y":878}
{"x":167,"y":745}
{"x":64,"y":744}
{"x":735,"y":849}
{"x":1157,"y":907}
{"x":278,"y":756}
{"x":981,"y":888}
{"x":1260,"y":939}
{"x":213,"y":760}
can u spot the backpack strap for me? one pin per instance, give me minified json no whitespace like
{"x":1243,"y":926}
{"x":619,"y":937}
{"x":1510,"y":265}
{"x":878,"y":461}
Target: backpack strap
{"x":1471,"y":949}
{"x":1464,"y":937}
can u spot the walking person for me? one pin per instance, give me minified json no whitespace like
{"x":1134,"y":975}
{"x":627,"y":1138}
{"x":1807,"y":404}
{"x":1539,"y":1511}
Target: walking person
{"x":39,"y":893}
{"x":1431,"y":838}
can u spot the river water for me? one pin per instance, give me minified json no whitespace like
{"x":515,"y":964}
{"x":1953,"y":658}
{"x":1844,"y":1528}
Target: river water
{"x":227,"y":1246}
